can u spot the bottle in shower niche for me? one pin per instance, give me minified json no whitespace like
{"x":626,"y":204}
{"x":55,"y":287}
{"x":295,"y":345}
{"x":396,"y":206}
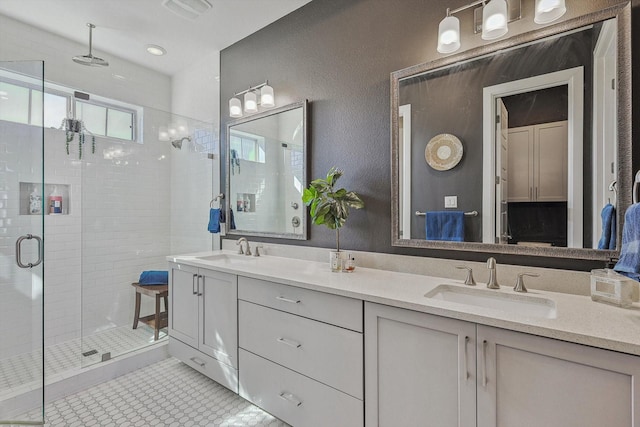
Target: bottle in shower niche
{"x":55,"y":202}
{"x":35,"y":202}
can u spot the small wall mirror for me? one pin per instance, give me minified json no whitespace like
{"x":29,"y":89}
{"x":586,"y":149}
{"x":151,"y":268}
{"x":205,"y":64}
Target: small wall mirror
{"x":267,"y":172}
{"x":519,"y":145}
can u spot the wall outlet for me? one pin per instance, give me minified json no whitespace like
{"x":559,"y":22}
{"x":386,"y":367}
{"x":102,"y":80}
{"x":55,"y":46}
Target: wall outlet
{"x":450,"y":201}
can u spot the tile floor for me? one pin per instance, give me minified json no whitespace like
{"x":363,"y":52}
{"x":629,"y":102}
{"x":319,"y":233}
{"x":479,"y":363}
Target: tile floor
{"x":20,"y":371}
{"x":167,"y":393}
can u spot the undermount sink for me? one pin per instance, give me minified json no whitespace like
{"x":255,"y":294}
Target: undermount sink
{"x":525,"y":305}
{"x":228,"y":258}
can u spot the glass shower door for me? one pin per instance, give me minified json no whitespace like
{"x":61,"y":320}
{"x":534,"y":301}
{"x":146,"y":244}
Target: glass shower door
{"x":22,"y":211}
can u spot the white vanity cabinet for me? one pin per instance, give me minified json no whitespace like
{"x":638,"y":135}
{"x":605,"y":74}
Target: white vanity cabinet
{"x":420,"y":372}
{"x":203,"y":324}
{"x":301,"y":353}
{"x":420,"y":369}
{"x":531,"y":381}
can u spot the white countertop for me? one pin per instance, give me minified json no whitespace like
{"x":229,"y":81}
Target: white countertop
{"x":578,"y":318}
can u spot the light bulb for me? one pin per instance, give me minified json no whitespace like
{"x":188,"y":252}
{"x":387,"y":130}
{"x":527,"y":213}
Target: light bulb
{"x":494,"y":20}
{"x":449,"y":35}
{"x":250,"y":102}
{"x":549,"y":10}
{"x":235,"y":107}
{"x":266,"y":97}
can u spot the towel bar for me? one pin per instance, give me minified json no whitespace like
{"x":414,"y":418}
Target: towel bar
{"x":472,"y":213}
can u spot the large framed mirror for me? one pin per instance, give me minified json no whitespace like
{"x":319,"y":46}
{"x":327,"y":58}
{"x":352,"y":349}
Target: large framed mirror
{"x":522,"y":146}
{"x":267,"y":172}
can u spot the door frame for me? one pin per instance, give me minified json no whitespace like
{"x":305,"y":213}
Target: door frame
{"x":573,"y":78}
{"x":605,"y":119}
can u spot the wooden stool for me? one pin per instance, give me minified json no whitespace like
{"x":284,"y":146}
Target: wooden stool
{"x":158,"y":320}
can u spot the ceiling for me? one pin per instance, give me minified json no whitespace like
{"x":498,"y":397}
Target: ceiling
{"x":125,"y":27}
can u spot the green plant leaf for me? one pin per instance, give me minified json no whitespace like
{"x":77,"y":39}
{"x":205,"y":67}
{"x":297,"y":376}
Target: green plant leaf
{"x":353,"y":200}
{"x":333,"y":175}
{"x":308,"y":195}
{"x":327,"y":206}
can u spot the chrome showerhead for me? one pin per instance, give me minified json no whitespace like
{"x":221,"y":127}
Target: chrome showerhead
{"x":89,"y":59}
{"x":177,"y":143}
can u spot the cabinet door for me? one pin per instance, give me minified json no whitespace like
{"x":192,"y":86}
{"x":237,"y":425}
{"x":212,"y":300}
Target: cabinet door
{"x":520,"y":154}
{"x":183,"y":310}
{"x":419,"y":369}
{"x":530,"y":381}
{"x":551,"y":162}
{"x":219,"y":316}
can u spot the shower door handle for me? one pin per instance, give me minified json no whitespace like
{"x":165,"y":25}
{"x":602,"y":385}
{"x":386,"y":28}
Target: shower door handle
{"x":19,"y":251}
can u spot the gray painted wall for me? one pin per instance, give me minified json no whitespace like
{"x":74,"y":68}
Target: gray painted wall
{"x":338,"y":54}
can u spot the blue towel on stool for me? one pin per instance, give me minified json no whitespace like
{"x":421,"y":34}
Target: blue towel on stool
{"x":629,"y":262}
{"x":214,"y":221}
{"x":154,"y":277}
{"x":608,"y":239}
{"x":446,"y":225}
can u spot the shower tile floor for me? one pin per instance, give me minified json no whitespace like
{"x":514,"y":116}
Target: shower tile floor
{"x":20,"y":373}
{"x":167,"y":393}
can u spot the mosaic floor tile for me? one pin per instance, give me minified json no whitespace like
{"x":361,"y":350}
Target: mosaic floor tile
{"x":167,"y":393}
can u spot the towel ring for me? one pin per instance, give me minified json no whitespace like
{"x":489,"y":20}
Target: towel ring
{"x":219,"y":197}
{"x":614,"y":187}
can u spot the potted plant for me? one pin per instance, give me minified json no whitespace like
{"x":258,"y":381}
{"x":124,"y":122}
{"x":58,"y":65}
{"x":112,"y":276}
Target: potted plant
{"x":330,"y":206}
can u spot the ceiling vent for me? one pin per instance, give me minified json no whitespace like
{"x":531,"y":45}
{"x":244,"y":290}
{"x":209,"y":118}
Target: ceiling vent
{"x":189,"y":9}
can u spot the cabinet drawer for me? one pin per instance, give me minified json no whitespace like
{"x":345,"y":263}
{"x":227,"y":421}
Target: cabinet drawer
{"x":294,"y":398}
{"x":329,"y":354}
{"x":334,"y":309}
{"x":214,"y":369}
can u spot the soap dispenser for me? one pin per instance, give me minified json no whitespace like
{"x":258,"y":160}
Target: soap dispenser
{"x":55,"y":202}
{"x":35,"y":202}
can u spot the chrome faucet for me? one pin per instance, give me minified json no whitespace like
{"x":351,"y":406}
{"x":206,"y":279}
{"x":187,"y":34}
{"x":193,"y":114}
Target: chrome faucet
{"x":493,"y":280}
{"x":239,"y":243}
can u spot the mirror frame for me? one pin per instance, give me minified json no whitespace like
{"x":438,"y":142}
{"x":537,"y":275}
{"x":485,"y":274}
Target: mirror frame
{"x":303,"y":213}
{"x":624,"y":176}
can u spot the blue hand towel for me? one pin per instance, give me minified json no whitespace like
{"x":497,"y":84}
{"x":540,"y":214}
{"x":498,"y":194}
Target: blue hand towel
{"x":608,"y":239}
{"x":232,"y":222}
{"x":448,"y":226}
{"x":154,"y":277}
{"x":223,"y":217}
{"x":214,"y":220}
{"x":629,"y":262}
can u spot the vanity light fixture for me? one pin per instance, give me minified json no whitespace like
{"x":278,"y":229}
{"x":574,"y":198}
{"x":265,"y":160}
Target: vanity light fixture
{"x":491,"y":19}
{"x":251,"y":102}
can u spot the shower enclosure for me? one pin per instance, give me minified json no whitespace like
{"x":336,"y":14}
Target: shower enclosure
{"x":22,"y":211}
{"x":108,"y":209}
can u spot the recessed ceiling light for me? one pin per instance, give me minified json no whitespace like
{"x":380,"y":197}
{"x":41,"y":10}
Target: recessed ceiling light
{"x":156,"y":50}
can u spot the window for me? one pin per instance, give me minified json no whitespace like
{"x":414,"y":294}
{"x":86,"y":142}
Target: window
{"x":23,"y":104}
{"x":14,"y":103}
{"x":248,"y":147}
{"x":106,"y":120}
{"x":23,"y":101}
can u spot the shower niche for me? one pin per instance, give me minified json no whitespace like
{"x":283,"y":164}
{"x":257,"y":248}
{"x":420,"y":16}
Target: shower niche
{"x":54,"y":201}
{"x":245,"y":202}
